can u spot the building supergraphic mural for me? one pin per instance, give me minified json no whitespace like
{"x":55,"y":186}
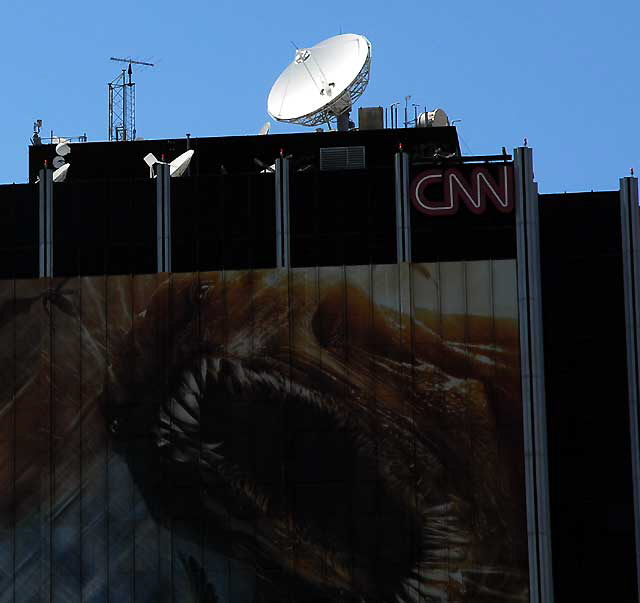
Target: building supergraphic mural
{"x":314,"y":434}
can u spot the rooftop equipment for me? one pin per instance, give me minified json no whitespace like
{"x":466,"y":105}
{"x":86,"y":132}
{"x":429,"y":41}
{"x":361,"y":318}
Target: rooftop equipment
{"x":177,"y":167}
{"x":322,"y":82}
{"x":122,"y":102}
{"x":433,"y":119}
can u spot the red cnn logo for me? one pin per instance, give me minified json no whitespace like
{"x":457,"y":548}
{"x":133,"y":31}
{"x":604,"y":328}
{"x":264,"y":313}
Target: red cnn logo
{"x":475,"y":190}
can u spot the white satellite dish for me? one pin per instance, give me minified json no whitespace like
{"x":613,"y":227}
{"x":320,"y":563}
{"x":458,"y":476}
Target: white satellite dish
{"x":180,"y":164}
{"x":58,"y":161}
{"x":61,"y":173}
{"x":433,"y":119}
{"x":264,"y":130}
{"x":322,"y":82}
{"x":63,"y":148}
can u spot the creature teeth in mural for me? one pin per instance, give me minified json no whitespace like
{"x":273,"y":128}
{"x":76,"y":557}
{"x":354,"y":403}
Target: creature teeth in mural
{"x":331,"y":434}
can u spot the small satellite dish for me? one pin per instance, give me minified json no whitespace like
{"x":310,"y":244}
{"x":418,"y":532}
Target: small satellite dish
{"x":264,"y":130}
{"x":58,"y":161}
{"x":61,"y":173}
{"x":180,"y":164}
{"x":63,"y":148}
{"x":322,"y":82}
{"x":433,"y":119}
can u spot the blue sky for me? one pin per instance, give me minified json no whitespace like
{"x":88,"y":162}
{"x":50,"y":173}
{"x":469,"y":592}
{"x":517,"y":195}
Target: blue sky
{"x":564,"y":74}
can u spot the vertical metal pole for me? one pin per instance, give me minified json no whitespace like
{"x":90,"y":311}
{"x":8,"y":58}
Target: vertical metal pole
{"x":132,"y":103}
{"x":110,"y":111}
{"x":399,"y":221}
{"x":124,"y":106}
{"x":48,"y":188}
{"x":167,"y":217}
{"x":406,"y":226}
{"x":42,"y":229}
{"x":160,"y":218}
{"x":539,"y":399}
{"x":533,"y":382}
{"x":630,"y":218}
{"x":525,"y":375}
{"x":278,"y":178}
{"x":286,"y":246}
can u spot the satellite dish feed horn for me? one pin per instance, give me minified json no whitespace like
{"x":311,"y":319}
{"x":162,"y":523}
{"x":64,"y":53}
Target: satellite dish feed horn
{"x":322,"y":82}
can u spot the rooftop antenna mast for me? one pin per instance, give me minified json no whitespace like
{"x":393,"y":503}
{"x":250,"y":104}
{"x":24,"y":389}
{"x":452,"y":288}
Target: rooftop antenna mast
{"x":122,"y":102}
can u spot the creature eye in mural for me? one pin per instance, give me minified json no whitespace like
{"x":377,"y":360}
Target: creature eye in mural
{"x":347,"y":434}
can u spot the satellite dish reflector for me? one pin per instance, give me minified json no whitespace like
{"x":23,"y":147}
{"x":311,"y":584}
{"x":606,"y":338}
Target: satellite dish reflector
{"x":58,"y":161}
{"x":433,"y":119}
{"x":264,"y":130}
{"x":180,"y":164}
{"x":63,"y":148}
{"x":322,"y":82}
{"x":61,"y":173}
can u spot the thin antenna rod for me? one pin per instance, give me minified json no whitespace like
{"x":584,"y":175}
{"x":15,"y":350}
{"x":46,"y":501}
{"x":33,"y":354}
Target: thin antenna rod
{"x":132,"y":62}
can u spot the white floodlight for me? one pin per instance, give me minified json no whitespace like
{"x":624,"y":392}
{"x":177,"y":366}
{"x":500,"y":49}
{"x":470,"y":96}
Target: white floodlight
{"x":150,"y":159}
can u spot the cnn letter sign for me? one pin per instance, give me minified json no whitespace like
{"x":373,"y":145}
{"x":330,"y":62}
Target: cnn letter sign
{"x":475,"y":189}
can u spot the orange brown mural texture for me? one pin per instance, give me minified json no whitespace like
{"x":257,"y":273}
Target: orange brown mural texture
{"x":322,"y":434}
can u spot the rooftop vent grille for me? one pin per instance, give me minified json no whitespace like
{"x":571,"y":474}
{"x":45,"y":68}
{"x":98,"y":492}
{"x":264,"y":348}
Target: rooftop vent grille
{"x":342,"y":158}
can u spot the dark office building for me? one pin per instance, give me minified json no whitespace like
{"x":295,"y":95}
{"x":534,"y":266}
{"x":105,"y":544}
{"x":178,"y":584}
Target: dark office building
{"x":341,"y":366}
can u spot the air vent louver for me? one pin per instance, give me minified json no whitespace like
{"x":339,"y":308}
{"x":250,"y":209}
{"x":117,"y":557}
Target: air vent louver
{"x":342,"y":158}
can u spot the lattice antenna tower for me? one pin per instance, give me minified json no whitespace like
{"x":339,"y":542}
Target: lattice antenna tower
{"x":122,"y":102}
